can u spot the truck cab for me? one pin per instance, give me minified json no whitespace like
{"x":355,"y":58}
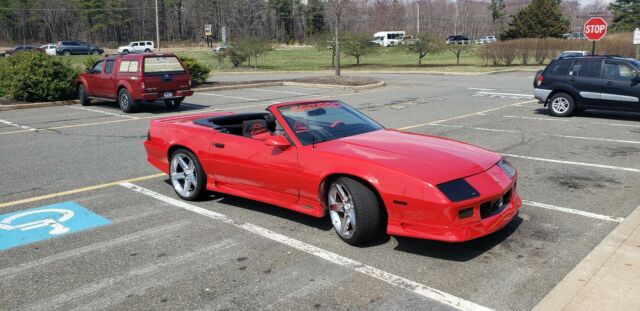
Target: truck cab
{"x":135,"y":78}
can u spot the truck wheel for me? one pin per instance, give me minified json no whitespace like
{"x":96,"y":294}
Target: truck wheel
{"x":125,"y":101}
{"x":125,"y":52}
{"x":66,"y":52}
{"x":147,"y":51}
{"x":82,"y":95}
{"x":173,"y":103}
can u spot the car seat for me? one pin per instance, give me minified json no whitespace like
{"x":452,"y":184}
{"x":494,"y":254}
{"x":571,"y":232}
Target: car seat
{"x":256,"y":129}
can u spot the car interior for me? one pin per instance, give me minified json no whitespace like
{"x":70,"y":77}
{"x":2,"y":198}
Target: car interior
{"x":251,"y":125}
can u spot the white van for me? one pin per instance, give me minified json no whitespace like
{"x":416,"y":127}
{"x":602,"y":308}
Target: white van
{"x":137,"y":47}
{"x":387,"y":38}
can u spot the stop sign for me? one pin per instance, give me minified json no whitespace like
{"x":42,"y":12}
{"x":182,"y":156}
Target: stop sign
{"x":595,"y":28}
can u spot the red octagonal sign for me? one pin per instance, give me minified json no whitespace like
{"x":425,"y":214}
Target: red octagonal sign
{"x":595,"y":28}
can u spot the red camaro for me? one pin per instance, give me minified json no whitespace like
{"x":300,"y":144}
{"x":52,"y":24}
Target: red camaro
{"x":319,"y":157}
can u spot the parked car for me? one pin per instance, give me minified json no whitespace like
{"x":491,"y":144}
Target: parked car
{"x":49,"y":48}
{"x":325,"y":158}
{"x":134,"y":78}
{"x":77,"y":47}
{"x":22,"y":48}
{"x":572,"y":84}
{"x":573,"y":54}
{"x":137,"y":47}
{"x":222,"y":48}
{"x":458,"y":39}
{"x":576,"y":36}
{"x":486,"y":39}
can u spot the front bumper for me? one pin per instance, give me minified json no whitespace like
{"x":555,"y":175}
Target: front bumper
{"x":541,"y":94}
{"x":160,"y":95}
{"x":498,"y":203}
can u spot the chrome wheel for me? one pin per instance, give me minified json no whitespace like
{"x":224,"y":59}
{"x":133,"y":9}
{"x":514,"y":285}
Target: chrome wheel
{"x":560,"y":105}
{"x":124,"y":100}
{"x":342,"y":210}
{"x":183,"y":175}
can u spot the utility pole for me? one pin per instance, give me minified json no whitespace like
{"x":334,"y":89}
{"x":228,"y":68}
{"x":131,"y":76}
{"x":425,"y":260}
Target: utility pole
{"x":337,"y":6}
{"x":157,"y":28}
{"x":417,"y":17}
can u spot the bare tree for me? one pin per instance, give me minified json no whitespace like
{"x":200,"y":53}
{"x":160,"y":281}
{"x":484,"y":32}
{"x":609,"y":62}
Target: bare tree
{"x":336,"y":5}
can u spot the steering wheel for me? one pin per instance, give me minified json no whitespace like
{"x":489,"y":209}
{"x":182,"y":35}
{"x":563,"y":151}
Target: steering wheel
{"x":337,"y":124}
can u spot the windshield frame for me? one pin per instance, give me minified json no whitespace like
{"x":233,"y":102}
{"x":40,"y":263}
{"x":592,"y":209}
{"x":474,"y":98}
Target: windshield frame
{"x":318,"y":139}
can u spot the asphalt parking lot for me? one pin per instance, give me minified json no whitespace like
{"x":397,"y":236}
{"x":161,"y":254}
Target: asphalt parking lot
{"x":579,"y":177}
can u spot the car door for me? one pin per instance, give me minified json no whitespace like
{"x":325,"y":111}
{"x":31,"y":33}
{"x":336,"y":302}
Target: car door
{"x":82,"y":48}
{"x":107,"y":79}
{"x":585,"y":78}
{"x":135,"y":47}
{"x":248,"y":165}
{"x":618,"y":88}
{"x":94,"y":80}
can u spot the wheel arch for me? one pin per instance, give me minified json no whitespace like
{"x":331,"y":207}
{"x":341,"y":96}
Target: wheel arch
{"x":175,"y":147}
{"x":327,"y":180}
{"x":562,"y":90}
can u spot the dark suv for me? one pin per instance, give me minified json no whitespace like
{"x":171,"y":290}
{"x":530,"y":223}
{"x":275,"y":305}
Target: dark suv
{"x":77,"y":47}
{"x":573,"y":84}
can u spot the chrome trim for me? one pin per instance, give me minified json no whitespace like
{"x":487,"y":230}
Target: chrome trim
{"x":541,"y":94}
{"x":622,"y":98}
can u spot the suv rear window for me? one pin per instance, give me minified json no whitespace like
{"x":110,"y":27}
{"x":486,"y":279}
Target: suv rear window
{"x":560,"y":67}
{"x":162,"y":65}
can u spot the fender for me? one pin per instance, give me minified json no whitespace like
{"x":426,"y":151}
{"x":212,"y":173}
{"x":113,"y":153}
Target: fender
{"x":123,"y":83}
{"x":83,"y":80}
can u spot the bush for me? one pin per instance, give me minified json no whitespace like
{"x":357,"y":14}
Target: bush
{"x":32,"y":76}
{"x":89,"y":61}
{"x":199,"y":71}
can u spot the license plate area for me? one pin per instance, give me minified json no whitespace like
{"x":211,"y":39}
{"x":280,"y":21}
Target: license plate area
{"x":168,"y":94}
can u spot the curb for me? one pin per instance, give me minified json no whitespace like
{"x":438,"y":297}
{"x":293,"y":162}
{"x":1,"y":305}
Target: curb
{"x":208,"y":89}
{"x":568,"y":293}
{"x":446,"y":73}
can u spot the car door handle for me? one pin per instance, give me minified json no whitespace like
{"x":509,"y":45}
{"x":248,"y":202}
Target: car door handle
{"x":218,"y":145}
{"x":609,"y":83}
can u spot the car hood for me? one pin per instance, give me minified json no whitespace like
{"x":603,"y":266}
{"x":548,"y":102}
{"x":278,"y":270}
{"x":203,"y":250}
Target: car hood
{"x":430,"y":158}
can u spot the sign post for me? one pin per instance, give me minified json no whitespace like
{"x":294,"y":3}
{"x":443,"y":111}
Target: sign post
{"x":594,"y":30}
{"x":208,"y":33}
{"x":636,"y":41}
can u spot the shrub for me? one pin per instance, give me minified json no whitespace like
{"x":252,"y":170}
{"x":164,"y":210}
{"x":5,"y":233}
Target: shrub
{"x":32,"y":76}
{"x":358,"y":45}
{"x":89,"y":61}
{"x":199,"y":71}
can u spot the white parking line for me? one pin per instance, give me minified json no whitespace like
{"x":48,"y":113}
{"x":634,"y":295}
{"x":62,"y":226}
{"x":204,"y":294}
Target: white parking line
{"x":281,"y":92}
{"x":572,"y":211}
{"x":463,"y":116}
{"x":611,"y":167}
{"x":582,"y":121}
{"x":504,"y":94}
{"x":387,"y":277}
{"x":479,"y":89}
{"x":228,"y":96}
{"x":542,"y":134}
{"x":17,"y":125}
{"x":103,"y":112}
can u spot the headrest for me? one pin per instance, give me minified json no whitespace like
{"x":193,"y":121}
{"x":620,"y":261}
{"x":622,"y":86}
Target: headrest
{"x":253,"y":127}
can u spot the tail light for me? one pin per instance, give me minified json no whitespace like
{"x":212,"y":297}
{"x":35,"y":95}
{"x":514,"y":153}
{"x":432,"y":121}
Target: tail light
{"x":540,"y":79}
{"x":58,"y":44}
{"x":189,"y":82}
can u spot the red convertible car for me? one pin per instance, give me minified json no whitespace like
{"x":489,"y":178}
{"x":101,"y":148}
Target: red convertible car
{"x":325,"y":157}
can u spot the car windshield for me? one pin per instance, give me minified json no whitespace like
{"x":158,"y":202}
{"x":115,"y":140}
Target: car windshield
{"x":318,"y":122}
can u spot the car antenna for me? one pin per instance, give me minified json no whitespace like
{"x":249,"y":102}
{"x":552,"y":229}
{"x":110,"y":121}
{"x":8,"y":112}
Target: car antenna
{"x":313,"y":141}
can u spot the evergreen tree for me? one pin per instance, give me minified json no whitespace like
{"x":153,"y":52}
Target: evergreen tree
{"x":498,"y":13}
{"x":539,"y":19}
{"x":315,"y":17}
{"x":626,"y":15}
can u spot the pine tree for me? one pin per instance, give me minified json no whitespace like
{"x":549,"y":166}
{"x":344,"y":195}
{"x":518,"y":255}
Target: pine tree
{"x":539,"y":19}
{"x":315,"y":17}
{"x":626,"y":15}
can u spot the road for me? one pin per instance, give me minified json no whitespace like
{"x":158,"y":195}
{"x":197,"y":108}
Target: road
{"x":578,"y":177}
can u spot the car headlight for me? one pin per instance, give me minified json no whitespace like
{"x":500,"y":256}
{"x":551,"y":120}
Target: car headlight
{"x":507,"y":168}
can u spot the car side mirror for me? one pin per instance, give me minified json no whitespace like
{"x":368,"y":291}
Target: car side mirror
{"x":278,"y":141}
{"x":636,"y":78}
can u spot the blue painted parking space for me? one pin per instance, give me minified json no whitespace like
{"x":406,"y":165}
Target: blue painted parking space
{"x":36,"y":224}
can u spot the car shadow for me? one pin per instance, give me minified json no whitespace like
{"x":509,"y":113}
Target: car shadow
{"x":157,"y":107}
{"x":599,"y":114}
{"x":461,"y":252}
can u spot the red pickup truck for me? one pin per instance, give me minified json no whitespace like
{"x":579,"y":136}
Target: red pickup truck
{"x":134,"y":78}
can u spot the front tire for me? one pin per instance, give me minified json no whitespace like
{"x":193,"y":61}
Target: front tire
{"x":83,"y":96}
{"x":124,"y":100}
{"x":561,"y":105}
{"x":187,"y":176}
{"x":66,"y":53}
{"x":354,"y":210}
{"x":125,"y":52}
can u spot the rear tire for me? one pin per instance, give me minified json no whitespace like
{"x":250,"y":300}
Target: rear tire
{"x":561,"y":105}
{"x":83,"y":96}
{"x":185,"y":170}
{"x":147,"y":51}
{"x":173,"y":103}
{"x":125,"y":101}
{"x":354,"y":210}
{"x":94,"y":52}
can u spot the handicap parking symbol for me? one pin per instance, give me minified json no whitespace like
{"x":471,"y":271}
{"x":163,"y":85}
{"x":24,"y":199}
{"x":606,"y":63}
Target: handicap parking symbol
{"x":28,"y":226}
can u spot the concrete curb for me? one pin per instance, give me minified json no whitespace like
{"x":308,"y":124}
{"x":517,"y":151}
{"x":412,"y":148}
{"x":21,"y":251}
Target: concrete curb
{"x":446,"y":73}
{"x":209,"y":89}
{"x":572,"y":293}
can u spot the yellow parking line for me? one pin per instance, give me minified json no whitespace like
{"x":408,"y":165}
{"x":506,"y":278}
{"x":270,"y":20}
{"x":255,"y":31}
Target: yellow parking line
{"x":79,"y":190}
